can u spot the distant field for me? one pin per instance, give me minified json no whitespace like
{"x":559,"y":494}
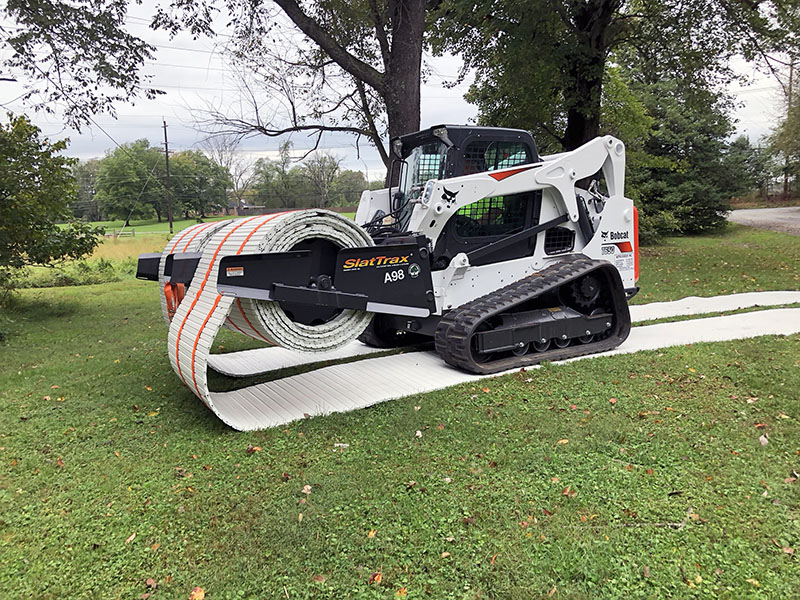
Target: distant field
{"x":151,"y":226}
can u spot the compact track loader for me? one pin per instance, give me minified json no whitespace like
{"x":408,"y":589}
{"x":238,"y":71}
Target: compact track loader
{"x":498,"y":256}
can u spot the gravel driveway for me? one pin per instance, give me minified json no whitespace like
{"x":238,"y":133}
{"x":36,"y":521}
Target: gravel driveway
{"x":786,"y":219}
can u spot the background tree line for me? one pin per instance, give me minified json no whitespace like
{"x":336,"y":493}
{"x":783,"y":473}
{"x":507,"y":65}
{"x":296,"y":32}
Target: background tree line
{"x":130,"y":183}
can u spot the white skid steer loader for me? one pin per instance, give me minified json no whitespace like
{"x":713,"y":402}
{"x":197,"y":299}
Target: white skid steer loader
{"x":498,"y":256}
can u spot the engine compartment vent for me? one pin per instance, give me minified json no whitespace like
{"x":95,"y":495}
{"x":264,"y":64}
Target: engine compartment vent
{"x":558,"y":240}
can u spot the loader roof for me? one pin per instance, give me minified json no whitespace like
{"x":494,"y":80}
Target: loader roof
{"x":459,"y":134}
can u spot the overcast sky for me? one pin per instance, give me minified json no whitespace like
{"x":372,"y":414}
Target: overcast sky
{"x":194,"y":73}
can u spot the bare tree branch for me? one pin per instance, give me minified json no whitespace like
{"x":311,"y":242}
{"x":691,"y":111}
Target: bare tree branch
{"x":353,"y":65}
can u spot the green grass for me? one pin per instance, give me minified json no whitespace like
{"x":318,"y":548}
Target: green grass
{"x":153,"y":226}
{"x":741,"y":259}
{"x":674,"y":496}
{"x":680,"y":439}
{"x":150,"y":226}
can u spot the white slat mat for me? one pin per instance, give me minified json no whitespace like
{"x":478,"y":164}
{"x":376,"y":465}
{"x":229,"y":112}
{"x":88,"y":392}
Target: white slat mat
{"x":346,"y":387}
{"x":694,"y":305}
{"x":263,"y":360}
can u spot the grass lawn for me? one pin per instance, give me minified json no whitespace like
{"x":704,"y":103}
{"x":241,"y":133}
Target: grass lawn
{"x":152,"y":225}
{"x":112,"y":473}
{"x":741,"y":259}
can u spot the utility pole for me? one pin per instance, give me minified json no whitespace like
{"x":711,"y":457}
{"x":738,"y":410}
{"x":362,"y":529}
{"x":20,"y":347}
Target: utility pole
{"x":169,"y":186}
{"x":789,"y":103}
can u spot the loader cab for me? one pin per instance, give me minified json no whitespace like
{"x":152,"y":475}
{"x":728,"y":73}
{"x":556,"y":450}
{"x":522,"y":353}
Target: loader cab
{"x":447,"y":151}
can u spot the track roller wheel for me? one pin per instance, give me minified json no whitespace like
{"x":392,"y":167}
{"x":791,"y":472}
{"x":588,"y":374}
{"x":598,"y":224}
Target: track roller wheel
{"x":521,"y":350}
{"x":561,"y":342}
{"x":542,"y":345}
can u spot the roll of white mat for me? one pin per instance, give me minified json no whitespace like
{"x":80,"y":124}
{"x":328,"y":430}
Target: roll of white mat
{"x":203,"y":311}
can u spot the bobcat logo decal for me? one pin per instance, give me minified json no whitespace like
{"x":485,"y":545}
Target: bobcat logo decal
{"x":449,"y":196}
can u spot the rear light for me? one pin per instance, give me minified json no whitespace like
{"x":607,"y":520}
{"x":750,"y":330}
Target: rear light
{"x":635,"y":244}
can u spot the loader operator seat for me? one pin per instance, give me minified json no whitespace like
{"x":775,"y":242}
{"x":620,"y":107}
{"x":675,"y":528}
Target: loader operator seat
{"x":490,"y":219}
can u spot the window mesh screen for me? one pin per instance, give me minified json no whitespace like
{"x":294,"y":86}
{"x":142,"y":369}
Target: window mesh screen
{"x":483,"y":156}
{"x":491,"y":216}
{"x":429,"y":167}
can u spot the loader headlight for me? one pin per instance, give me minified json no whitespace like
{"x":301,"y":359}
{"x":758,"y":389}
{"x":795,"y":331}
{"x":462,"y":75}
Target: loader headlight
{"x":397,"y":148}
{"x":426,"y":195}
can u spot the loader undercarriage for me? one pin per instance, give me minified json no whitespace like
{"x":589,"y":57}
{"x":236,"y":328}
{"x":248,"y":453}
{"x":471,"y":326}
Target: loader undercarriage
{"x":572,"y":308}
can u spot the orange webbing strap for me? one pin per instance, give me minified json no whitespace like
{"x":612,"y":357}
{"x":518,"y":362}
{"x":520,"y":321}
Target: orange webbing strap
{"x":180,"y":292}
{"x":174,"y":293}
{"x":171,"y":306}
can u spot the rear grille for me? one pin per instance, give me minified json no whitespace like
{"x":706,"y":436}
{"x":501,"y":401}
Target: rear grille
{"x":558,"y":240}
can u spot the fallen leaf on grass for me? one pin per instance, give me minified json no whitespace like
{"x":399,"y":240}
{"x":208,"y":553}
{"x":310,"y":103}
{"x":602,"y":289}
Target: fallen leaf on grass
{"x":568,"y":491}
{"x":130,"y":539}
{"x":486,"y":390}
{"x":646,"y":571}
{"x":145,"y":596}
{"x":371,"y":533}
{"x":440,"y":426}
{"x":445,"y":554}
{"x":613,"y":400}
{"x":155,"y":546}
{"x":754,"y":582}
{"x":375,"y":578}
{"x":759,"y":425}
{"x":197,"y":594}
{"x":318,"y":578}
{"x":417,"y":408}
{"x":418,"y":434}
{"x":764,"y":440}
{"x":790,"y":480}
{"x":494,"y":557}
{"x":152,"y":413}
{"x":252,"y":449}
{"x":401,"y":592}
{"x":563,"y":441}
{"x":46,"y":398}
{"x":551,"y":592}
{"x":300,"y":518}
{"x":306,"y":489}
{"x":151,"y":583}
{"x":60,"y":463}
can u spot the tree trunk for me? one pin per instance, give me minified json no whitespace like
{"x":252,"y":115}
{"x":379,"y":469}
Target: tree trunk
{"x":402,"y":82}
{"x":587,"y":64}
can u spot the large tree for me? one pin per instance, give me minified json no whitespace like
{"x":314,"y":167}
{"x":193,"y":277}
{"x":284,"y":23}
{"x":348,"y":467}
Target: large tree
{"x":542,"y":64}
{"x":85,"y":207}
{"x":36,"y":190}
{"x":129,"y":182}
{"x":199,"y":184}
{"x":316,"y":67}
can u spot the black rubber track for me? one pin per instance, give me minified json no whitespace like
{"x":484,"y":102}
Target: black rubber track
{"x":455,"y":330}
